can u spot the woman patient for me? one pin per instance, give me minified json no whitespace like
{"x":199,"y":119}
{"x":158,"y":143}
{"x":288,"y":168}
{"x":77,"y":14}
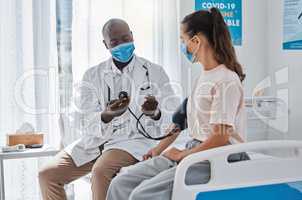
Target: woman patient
{"x":215,"y":112}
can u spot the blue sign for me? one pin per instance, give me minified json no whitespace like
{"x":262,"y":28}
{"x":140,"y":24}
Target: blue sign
{"x":292,"y":28}
{"x":232,"y":12}
{"x":285,"y":191}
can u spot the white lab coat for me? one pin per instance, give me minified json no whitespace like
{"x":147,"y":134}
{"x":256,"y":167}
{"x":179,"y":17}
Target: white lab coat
{"x":92,"y":95}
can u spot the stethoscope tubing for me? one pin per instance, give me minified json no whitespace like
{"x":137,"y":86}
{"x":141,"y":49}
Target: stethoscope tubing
{"x":139,"y":126}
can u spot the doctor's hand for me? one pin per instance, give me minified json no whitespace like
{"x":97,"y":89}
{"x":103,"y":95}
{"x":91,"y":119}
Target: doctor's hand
{"x":175,"y":154}
{"x":150,"y":108}
{"x":115,"y":109}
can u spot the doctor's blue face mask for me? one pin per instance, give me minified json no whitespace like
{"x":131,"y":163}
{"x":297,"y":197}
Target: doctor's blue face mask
{"x":123,"y":52}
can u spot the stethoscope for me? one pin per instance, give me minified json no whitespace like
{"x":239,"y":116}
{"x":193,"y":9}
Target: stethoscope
{"x":139,"y":126}
{"x":148,"y":87}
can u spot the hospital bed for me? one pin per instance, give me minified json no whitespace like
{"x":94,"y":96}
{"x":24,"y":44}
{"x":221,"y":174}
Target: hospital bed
{"x":263,"y":177}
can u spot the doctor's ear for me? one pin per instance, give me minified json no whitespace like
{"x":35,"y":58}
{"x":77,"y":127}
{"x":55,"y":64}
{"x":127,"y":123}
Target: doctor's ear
{"x":131,"y":33}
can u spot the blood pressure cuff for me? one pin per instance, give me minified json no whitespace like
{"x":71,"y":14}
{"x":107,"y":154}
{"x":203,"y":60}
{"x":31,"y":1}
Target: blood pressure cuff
{"x":180,"y":116}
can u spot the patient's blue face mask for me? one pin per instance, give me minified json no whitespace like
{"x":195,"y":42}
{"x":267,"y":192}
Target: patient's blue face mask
{"x":190,"y":56}
{"x":123,"y":52}
{"x":185,"y":51}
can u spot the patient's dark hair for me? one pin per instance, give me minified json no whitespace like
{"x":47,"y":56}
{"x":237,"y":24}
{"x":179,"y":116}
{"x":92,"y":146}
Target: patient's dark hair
{"x":212,"y":25}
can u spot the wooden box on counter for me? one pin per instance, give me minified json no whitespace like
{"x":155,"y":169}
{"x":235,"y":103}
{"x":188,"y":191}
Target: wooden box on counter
{"x":29,"y":138}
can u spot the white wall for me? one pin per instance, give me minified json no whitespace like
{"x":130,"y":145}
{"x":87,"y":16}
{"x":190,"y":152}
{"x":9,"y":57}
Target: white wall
{"x":278,"y":59}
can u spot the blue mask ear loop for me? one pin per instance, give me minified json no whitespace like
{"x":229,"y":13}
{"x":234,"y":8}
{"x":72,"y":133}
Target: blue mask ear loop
{"x":194,"y":58}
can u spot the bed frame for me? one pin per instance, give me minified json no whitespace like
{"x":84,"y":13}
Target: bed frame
{"x":265,"y":177}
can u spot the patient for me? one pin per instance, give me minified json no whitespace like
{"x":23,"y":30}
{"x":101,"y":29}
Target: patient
{"x":215,"y":112}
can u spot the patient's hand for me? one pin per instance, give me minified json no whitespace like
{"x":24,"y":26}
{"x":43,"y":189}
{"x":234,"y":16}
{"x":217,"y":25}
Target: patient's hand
{"x":175,"y":154}
{"x":152,"y":153}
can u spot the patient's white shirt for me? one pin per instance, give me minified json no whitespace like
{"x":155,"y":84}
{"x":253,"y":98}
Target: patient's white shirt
{"x":217,"y":98}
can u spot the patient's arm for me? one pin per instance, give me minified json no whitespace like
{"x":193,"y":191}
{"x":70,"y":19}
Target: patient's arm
{"x":179,"y":123}
{"x":165,"y":143}
{"x":220,"y":136}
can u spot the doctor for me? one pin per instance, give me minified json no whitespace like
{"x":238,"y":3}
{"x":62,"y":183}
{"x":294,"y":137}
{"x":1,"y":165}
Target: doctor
{"x":108,"y":120}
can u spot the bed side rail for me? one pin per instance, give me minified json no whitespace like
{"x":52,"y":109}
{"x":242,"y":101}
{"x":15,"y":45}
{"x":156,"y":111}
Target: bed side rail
{"x":225,"y":175}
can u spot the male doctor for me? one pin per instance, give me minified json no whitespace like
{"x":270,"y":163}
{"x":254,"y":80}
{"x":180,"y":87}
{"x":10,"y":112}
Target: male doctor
{"x":111,"y":139}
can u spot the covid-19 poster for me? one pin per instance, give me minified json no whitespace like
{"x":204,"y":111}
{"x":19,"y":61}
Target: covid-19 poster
{"x":292,"y":28}
{"x":232,"y":12}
